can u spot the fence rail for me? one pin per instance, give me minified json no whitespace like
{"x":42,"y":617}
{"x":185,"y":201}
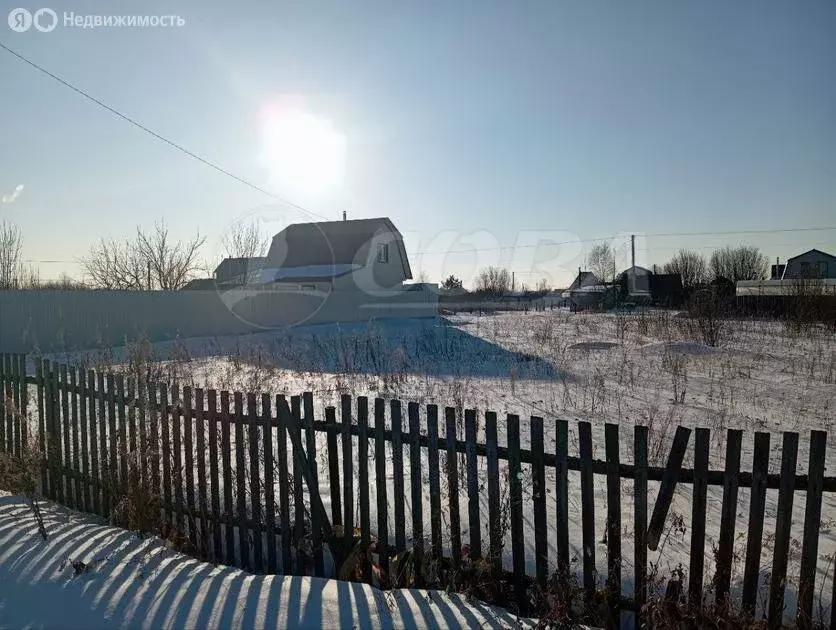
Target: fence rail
{"x":241,"y":478}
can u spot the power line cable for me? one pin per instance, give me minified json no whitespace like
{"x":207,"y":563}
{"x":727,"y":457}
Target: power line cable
{"x":160,"y":137}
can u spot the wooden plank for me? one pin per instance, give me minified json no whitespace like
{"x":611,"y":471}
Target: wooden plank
{"x":226,"y":468}
{"x":298,"y":496}
{"x":214,"y":475}
{"x":188,"y":466}
{"x":668,"y":486}
{"x":310,"y":448}
{"x":44,"y":427}
{"x":4,"y":397}
{"x":614,"y":560}
{"x":284,"y":487}
{"x":397,"y":472}
{"x":155,"y":457}
{"x":494,"y":506}
{"x":587,"y":509}
{"x":415,"y":480}
{"x":269,"y":486}
{"x":702,"y":444}
{"x":334,"y":468}
{"x":19,"y":409}
{"x":380,"y":484}
{"x":133,"y":454}
{"x":241,"y":483}
{"x":812,"y":522}
{"x":515,"y":491}
{"x":474,"y":522}
{"x":78,"y":485}
{"x":112,"y":445}
{"x":123,"y":449}
{"x":165,"y":443}
{"x":561,"y":473}
{"x":41,"y":388}
{"x":783,"y":526}
{"x":453,"y":485}
{"x":24,"y":403}
{"x":104,"y":449}
{"x":84,"y":441}
{"x":640,"y":518}
{"x":435,"y":481}
{"x":68,"y":494}
{"x":363,"y":474}
{"x":200,"y":453}
{"x":728,"y":515}
{"x":257,"y":563}
{"x":57,"y":437}
{"x":348,"y":472}
{"x":142,"y":421}
{"x":754,"y":540}
{"x":95,"y":473}
{"x":177,"y":458}
{"x":538,"y":487}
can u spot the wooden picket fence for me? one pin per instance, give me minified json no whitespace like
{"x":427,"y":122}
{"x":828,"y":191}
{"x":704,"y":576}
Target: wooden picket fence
{"x":98,"y":434}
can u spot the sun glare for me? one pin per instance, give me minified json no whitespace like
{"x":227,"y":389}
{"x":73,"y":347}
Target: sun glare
{"x":300,"y":151}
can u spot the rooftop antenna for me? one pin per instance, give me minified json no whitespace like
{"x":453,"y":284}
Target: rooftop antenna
{"x":344,"y":219}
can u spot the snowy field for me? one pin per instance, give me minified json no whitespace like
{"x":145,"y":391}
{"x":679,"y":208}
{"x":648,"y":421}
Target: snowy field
{"x":628,"y":369}
{"x":88,"y":575}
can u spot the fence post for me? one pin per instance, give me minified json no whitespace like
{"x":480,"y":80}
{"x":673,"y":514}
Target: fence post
{"x":334,"y":467}
{"x":257,"y":565}
{"x":95,"y":473}
{"x":812,"y":521}
{"x":702,"y":444}
{"x":363,"y":485}
{"x":316,"y":524}
{"x":515,"y":492}
{"x":492,"y":451}
{"x":640,"y":517}
{"x":380,"y":484}
{"x":4,"y":404}
{"x":269,"y":486}
{"x":435,"y":480}
{"x":587,"y":509}
{"x":415,"y":480}
{"x":397,"y":469}
{"x":39,"y":375}
{"x":284,"y":486}
{"x":728,"y":515}
{"x":453,"y":485}
{"x":188,"y":468}
{"x":87,"y":482}
{"x":474,"y":522}
{"x":200,"y":453}
{"x":214,"y":475}
{"x":348,"y":474}
{"x":613,"y":525}
{"x":754,"y":540}
{"x":241,"y":483}
{"x":783,"y":524}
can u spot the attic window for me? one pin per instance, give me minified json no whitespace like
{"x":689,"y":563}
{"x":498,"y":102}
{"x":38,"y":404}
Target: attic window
{"x":383,"y":252}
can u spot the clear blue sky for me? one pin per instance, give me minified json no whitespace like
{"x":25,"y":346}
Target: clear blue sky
{"x":489,"y":121}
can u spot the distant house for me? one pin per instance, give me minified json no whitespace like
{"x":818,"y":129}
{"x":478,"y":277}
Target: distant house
{"x":237,"y":271}
{"x":635,"y":283}
{"x":336,"y":255}
{"x":584,"y":279}
{"x":811,"y":264}
{"x":643,"y":286}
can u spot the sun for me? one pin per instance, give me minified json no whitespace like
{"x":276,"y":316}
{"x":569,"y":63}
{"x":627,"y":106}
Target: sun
{"x":300,"y":151}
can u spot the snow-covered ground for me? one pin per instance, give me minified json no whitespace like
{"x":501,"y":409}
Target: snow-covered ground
{"x":636,"y":369}
{"x":87,"y":575}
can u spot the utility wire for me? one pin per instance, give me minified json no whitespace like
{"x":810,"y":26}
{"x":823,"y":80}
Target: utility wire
{"x":160,"y":137}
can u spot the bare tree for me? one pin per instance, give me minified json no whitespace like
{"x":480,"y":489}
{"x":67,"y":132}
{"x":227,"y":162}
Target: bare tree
{"x":601,"y":262}
{"x":493,"y":280}
{"x":689,"y":266}
{"x":542,"y":286}
{"x":739,"y":263}
{"x":11,"y":249}
{"x":151,"y":261}
{"x":245,"y":240}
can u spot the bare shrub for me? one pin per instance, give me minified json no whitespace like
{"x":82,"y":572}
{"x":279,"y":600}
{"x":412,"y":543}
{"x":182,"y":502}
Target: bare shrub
{"x":707,"y":321}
